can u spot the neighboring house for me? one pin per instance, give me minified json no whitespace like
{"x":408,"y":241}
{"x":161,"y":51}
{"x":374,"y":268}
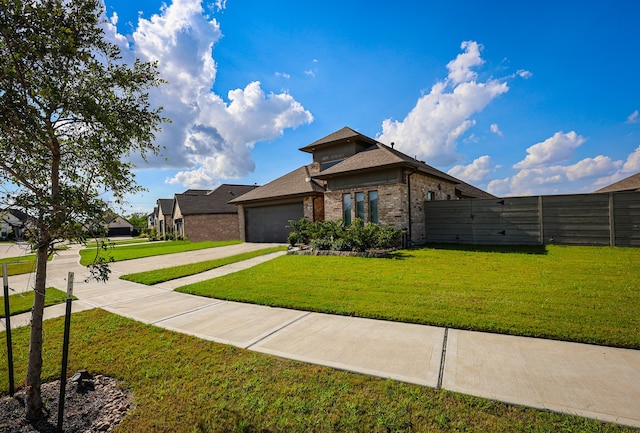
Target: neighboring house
{"x":200,"y":215}
{"x":631,"y":183}
{"x":117,"y":226}
{"x":151,"y":219}
{"x":163,"y":220}
{"x":351,"y":176}
{"x":13,"y":223}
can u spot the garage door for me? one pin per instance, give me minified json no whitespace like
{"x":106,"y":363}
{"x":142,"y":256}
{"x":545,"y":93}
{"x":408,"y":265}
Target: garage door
{"x":119,"y":231}
{"x":269,"y":223}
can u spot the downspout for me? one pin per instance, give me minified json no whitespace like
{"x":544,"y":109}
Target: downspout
{"x":409,"y":204}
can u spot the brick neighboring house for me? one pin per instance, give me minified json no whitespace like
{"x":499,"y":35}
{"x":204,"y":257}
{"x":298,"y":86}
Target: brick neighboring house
{"x":162,"y":217}
{"x":351,"y":176}
{"x":203,"y":215}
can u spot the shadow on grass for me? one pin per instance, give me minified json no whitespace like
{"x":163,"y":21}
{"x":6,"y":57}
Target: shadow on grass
{"x":506,"y":249}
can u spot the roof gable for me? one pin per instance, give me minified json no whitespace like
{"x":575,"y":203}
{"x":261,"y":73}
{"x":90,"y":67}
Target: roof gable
{"x":295,"y":183}
{"x":380,"y":156}
{"x":165,"y":206}
{"x":211,"y":202}
{"x":345,"y":134}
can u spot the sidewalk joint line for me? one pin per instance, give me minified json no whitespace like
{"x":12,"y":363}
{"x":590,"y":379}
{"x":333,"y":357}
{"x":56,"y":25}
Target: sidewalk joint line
{"x":285,"y":325}
{"x":121,"y":301}
{"x":220,"y":301}
{"x":443,"y":358}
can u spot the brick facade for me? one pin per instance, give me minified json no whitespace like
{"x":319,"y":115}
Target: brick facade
{"x":392,"y":203}
{"x":213,"y":227}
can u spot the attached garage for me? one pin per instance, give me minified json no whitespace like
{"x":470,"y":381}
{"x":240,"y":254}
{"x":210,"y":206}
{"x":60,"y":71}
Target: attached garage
{"x":119,"y":231}
{"x":118,"y":226}
{"x":269,"y":223}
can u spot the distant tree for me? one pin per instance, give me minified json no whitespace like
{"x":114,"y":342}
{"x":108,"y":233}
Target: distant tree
{"x":139,"y":221}
{"x":71,"y":112}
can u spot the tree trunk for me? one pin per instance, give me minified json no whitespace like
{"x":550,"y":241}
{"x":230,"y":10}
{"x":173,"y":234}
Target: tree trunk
{"x":34,"y":369}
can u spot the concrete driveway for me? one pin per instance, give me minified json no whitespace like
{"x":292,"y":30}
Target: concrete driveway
{"x":13,"y":250}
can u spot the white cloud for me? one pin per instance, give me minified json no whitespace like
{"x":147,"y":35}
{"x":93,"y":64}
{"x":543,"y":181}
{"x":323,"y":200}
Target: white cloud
{"x":558,"y":148}
{"x":460,"y":68}
{"x":522,"y":73}
{"x":282,"y":75}
{"x":556,"y":179}
{"x":439,"y":118}
{"x":589,"y":168}
{"x":310,"y":72}
{"x":539,"y":173}
{"x":496,"y":129}
{"x":632,"y":165}
{"x":476,"y":172}
{"x":114,"y":19}
{"x":633,"y":117}
{"x":209,"y":138}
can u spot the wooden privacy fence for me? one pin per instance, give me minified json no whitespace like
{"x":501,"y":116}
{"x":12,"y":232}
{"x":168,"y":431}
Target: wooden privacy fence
{"x":582,"y":219}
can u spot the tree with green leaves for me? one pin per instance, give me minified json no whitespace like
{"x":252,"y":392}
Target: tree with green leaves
{"x":139,"y":221}
{"x":71,"y":113}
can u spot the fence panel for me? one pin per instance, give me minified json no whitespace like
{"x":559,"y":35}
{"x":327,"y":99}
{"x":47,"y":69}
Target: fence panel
{"x":449,"y":222}
{"x":581,"y":219}
{"x":627,"y":219}
{"x":576,"y":219}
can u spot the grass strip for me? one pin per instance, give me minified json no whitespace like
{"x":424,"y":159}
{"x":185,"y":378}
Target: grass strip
{"x":21,"y":264}
{"x":183,"y":384}
{"x":583,"y":294}
{"x":23,"y":302}
{"x":149,"y":249}
{"x":167,"y":274}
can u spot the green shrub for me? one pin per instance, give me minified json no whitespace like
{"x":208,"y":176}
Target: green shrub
{"x":335,"y":235}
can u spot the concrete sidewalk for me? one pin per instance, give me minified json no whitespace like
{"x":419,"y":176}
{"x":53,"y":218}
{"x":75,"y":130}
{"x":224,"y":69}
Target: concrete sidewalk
{"x":586,"y":380}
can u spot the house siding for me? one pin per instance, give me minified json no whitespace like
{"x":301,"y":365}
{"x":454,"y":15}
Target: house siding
{"x":218,"y":227}
{"x":165,"y":225}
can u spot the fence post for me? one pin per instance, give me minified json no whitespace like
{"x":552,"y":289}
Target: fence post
{"x":540,"y":220}
{"x":7,"y":322}
{"x":612,"y":221}
{"x":65,"y":351}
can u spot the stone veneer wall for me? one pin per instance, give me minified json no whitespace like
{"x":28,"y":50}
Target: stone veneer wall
{"x":392,"y":203}
{"x":241,"y":224}
{"x":217,"y":227}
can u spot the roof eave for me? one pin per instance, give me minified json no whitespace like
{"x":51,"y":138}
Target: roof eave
{"x":277,"y":198}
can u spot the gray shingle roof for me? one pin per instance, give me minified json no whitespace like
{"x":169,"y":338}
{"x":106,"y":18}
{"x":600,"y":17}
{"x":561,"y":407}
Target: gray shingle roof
{"x":297,"y":183}
{"x":465,"y":190}
{"x":165,"y":206}
{"x":344,"y":134}
{"x":377,"y":157}
{"x":195,"y":202}
{"x":631,"y":183}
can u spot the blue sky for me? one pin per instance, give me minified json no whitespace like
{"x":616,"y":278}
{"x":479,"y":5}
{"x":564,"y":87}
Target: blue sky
{"x":519,"y":98}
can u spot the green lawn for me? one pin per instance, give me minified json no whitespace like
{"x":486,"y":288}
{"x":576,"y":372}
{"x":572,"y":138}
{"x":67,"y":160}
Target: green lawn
{"x":148,"y":249}
{"x":23,"y":302}
{"x":166,"y":274}
{"x":19,"y":265}
{"x":185,"y":384}
{"x":584,"y":294}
